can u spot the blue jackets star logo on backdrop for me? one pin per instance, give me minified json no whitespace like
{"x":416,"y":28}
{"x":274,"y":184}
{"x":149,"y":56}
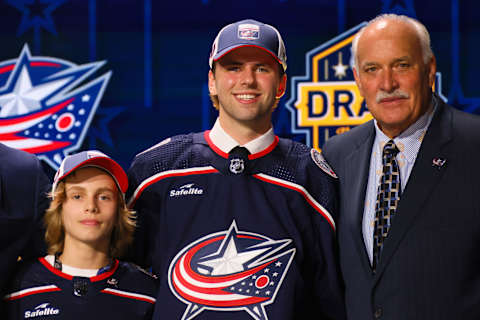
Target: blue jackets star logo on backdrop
{"x":43,"y":110}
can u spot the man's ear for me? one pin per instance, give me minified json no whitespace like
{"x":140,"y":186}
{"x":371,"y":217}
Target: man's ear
{"x":282,"y":87}
{"x":432,"y":65}
{"x":212,"y":88}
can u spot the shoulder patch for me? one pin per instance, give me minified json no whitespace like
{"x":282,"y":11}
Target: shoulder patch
{"x":321,"y":162}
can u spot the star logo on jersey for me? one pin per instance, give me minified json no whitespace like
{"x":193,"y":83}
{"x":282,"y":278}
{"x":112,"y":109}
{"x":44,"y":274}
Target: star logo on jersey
{"x":231,"y":271}
{"x":43,"y":109}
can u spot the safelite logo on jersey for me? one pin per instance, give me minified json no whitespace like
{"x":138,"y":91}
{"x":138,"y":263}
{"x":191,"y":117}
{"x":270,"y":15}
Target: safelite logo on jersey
{"x":187,"y":189}
{"x":42,"y":310}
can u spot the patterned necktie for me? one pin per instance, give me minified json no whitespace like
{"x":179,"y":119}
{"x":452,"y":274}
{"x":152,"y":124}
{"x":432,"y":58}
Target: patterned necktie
{"x":388,"y":195}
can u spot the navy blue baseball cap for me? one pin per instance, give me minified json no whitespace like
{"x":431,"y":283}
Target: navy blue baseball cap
{"x":249,"y":33}
{"x":91,"y":158}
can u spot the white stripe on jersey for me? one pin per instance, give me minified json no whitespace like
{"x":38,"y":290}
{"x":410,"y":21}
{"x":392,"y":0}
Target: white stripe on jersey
{"x":166,"y":174}
{"x":29,"y":291}
{"x":130,"y":295}
{"x":311,"y":200}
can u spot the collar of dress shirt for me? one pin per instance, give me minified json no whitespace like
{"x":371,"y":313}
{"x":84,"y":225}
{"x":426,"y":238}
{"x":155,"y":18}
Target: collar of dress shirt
{"x":226,"y":143}
{"x":409,"y":141}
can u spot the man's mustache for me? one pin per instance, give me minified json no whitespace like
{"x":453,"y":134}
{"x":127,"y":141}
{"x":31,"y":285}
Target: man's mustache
{"x":388,"y":95}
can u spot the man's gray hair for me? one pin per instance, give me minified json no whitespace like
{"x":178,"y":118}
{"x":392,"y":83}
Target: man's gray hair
{"x":422,"y":33}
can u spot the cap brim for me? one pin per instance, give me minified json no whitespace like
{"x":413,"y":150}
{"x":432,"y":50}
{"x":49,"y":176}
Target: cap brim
{"x":104,"y":163}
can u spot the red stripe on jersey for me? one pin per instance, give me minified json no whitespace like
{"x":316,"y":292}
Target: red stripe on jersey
{"x":167,"y":174}
{"x":266,"y":151}
{"x":298,"y":188}
{"x":53,"y":270}
{"x":69,"y":277}
{"x":31,"y":291}
{"x":217,"y":150}
{"x":107,"y":274}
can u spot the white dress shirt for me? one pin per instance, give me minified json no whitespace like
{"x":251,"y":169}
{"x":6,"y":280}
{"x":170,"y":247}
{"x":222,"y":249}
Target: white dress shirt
{"x":408,"y":142}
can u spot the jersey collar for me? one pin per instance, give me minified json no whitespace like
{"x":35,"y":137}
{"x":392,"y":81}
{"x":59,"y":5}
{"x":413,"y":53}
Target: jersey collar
{"x":99,"y":277}
{"x":222,"y":143}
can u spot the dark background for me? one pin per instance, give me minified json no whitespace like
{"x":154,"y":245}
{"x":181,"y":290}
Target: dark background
{"x":158,"y":53}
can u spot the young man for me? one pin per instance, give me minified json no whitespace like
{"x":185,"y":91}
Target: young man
{"x":237,"y":223}
{"x":409,"y":215}
{"x":88,"y":227}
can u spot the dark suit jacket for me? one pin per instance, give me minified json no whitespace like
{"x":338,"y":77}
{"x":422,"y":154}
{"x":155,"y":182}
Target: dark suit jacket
{"x":23,"y":188}
{"x":430,"y":264}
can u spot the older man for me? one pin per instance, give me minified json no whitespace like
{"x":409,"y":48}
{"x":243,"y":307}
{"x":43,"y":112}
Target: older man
{"x":409,"y":227}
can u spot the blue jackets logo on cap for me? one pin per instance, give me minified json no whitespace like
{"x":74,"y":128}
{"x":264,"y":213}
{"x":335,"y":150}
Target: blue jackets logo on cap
{"x":248,"y":31}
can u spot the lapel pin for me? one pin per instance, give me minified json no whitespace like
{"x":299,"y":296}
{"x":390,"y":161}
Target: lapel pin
{"x":438,"y":162}
{"x":112,"y":282}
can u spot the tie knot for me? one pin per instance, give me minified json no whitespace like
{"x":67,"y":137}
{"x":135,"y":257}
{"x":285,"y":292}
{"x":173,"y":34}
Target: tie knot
{"x":238,"y":151}
{"x":390,"y":148}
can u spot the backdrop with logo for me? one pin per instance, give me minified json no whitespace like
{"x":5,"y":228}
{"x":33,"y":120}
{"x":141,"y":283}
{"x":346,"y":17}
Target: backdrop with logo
{"x":122,"y":75}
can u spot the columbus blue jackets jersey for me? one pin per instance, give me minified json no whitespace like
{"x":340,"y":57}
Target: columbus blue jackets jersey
{"x":40,"y":291}
{"x":242,"y":236}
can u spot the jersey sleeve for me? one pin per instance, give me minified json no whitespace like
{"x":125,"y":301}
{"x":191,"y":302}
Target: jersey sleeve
{"x":140,"y":251}
{"x":321,"y":183}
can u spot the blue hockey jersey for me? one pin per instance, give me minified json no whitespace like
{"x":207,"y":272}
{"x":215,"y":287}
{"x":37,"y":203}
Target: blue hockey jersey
{"x":39,"y":291}
{"x":242,"y":236}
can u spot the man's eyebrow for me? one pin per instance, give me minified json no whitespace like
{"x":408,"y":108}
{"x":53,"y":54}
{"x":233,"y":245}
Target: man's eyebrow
{"x":368,"y":63}
{"x":404,"y":58}
{"x":230,"y":62}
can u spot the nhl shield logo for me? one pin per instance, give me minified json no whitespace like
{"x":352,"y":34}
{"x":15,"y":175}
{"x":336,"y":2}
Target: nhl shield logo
{"x":237,"y":165}
{"x":230,"y":271}
{"x":46,"y":106}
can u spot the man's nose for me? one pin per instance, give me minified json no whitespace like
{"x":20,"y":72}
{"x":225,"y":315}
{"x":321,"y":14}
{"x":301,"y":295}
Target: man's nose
{"x":388,"y":82}
{"x":248,"y":77}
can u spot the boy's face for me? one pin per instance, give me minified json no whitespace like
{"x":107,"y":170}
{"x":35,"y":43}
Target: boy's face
{"x":90,"y":208}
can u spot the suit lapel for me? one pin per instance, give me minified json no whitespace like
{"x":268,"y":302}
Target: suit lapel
{"x":423,"y":179}
{"x":357,"y":166}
